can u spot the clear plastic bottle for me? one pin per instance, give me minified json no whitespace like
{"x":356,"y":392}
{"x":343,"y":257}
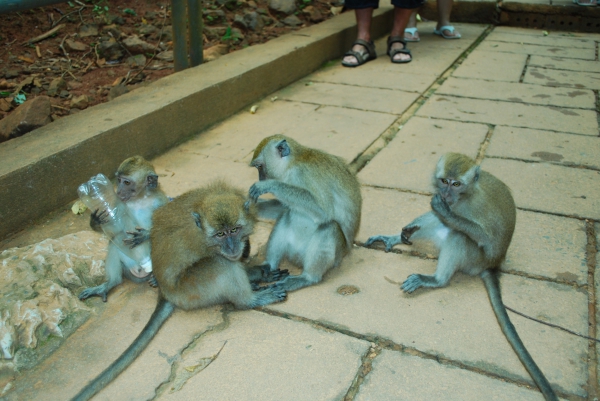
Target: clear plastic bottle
{"x":98,"y":194}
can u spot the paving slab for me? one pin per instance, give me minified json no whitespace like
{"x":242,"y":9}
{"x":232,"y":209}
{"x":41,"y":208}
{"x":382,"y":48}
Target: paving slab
{"x":559,"y":63}
{"x":511,"y":114}
{"x":431,"y":57}
{"x":569,"y":79}
{"x":455,"y":322}
{"x":548,"y":146}
{"x":341,"y":131}
{"x":542,"y":246}
{"x":538,"y":50}
{"x":397,"y":376}
{"x":488,"y":65}
{"x":532,"y":37}
{"x":550,"y":188}
{"x":354,"y":97}
{"x":101,"y":340}
{"x":181,"y":170}
{"x":269,"y":358}
{"x":518,"y":92}
{"x":410,"y":158}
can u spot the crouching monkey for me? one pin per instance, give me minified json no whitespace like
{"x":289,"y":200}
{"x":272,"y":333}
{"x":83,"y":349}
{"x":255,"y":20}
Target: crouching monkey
{"x":197,"y":242}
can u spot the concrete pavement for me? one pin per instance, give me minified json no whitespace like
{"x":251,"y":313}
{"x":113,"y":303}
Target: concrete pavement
{"x":524,"y":104}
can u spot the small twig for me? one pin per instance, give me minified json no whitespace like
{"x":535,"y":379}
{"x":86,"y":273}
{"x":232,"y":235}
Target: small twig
{"x":44,"y":35}
{"x":71,"y":74}
{"x":551,"y":324}
{"x":59,"y":107}
{"x":63,"y":49}
{"x":67,"y":14}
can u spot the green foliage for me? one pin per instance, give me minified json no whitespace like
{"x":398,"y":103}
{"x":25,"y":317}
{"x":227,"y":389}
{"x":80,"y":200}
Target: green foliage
{"x":227,"y":35}
{"x":100,"y":9}
{"x":129,"y":11}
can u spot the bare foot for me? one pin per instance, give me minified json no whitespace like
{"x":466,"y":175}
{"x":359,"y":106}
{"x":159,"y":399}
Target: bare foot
{"x":399,"y":56}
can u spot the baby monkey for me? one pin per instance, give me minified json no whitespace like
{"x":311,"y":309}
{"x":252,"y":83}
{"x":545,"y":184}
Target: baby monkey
{"x":471,"y":224}
{"x":197,"y":242}
{"x":137,"y":186}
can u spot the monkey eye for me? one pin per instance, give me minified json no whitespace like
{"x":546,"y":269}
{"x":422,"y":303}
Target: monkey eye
{"x":444,"y":181}
{"x":235,"y":229}
{"x":259,"y":166}
{"x":127,"y":182}
{"x":456,"y":184}
{"x":220,"y":234}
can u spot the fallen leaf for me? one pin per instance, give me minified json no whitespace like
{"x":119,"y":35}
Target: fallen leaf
{"x":26,"y":59}
{"x":78,"y":207}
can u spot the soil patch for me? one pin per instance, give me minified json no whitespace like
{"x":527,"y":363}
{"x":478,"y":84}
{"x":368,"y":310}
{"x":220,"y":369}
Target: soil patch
{"x":81,"y":53}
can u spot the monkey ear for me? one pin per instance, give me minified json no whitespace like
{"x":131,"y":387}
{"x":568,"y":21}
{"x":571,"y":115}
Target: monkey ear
{"x":152,"y":181}
{"x":283,"y":148}
{"x":472,"y":175}
{"x":197,"y":219}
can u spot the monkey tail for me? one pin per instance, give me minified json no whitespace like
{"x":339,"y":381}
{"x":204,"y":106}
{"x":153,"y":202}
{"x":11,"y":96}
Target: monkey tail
{"x":163,"y":310}
{"x":492,"y":285}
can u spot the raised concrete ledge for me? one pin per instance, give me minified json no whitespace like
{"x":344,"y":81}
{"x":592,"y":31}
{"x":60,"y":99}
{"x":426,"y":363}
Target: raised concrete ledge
{"x":40,"y":171}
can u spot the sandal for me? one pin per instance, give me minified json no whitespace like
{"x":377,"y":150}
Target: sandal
{"x":361,"y":57}
{"x":412,"y":32}
{"x":441,"y":33}
{"x":392,"y":52}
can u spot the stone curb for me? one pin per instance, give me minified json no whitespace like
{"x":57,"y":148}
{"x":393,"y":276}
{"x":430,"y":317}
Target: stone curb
{"x":40,"y":171}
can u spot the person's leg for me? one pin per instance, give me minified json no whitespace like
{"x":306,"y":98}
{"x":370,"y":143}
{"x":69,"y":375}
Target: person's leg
{"x":401,"y":17}
{"x":410,"y":33}
{"x":363,"y":23}
{"x":444,"y":10}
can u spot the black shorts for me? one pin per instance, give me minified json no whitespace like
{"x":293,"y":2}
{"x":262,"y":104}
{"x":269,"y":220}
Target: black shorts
{"x":357,"y":4}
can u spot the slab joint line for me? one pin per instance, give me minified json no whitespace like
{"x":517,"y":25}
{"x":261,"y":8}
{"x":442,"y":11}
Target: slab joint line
{"x":385,"y":343}
{"x":591,"y":254}
{"x":363,"y":158}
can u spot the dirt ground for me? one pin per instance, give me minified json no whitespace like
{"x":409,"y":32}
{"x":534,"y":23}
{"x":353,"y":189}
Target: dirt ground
{"x":87,"y":45}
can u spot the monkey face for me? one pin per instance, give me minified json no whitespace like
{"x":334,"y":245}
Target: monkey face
{"x":450,"y":189}
{"x":126,"y":187}
{"x":231,"y":242}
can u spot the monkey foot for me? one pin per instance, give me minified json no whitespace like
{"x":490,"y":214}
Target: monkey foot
{"x":388,"y":241}
{"x":412,"y":283}
{"x":152,"y":281}
{"x":93,"y":291}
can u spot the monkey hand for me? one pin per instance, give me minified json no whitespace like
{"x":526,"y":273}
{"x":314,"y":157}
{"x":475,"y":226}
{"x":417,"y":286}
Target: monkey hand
{"x":412,"y":283}
{"x":407,"y":232}
{"x":264,"y":274}
{"x":139,"y":236}
{"x":152,"y":281}
{"x":440,"y":206}
{"x":259,"y":188}
{"x":98,"y":217}
{"x":388,"y":241}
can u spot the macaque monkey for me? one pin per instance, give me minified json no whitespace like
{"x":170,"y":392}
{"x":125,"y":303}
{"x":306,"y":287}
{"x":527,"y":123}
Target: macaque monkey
{"x":471,"y":224}
{"x":197,"y":242}
{"x":320,"y":205}
{"x":137,"y":186}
